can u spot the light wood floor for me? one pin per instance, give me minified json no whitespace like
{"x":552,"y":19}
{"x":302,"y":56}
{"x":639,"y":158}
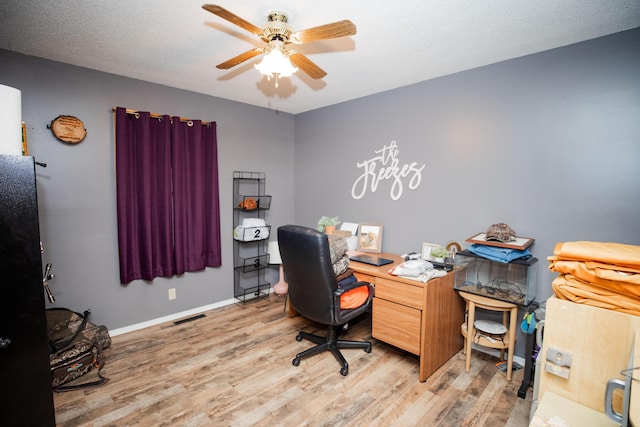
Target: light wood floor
{"x":233,"y":368}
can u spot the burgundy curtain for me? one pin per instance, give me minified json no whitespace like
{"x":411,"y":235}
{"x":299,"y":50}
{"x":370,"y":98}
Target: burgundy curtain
{"x":195,"y":179}
{"x":167,"y":194}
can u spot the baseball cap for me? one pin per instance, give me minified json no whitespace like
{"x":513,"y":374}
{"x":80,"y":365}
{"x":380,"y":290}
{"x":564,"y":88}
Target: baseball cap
{"x":500,"y":232}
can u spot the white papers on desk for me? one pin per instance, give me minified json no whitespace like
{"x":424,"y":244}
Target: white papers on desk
{"x":426,"y":276}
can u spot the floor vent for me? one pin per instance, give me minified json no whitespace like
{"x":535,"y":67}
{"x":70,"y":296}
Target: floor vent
{"x":189,"y":319}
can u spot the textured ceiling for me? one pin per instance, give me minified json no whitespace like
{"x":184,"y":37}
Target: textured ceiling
{"x":178,"y":44}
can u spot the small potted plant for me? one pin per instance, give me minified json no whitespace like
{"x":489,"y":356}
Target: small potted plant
{"x":439,"y":254}
{"x":327,"y":224}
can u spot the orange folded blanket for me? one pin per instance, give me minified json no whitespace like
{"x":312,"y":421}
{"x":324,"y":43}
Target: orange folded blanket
{"x":600,"y":274}
{"x":570,"y":288}
{"x":616,"y":255}
{"x":623,"y":282}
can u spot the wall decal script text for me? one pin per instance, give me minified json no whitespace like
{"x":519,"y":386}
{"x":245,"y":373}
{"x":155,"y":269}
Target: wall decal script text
{"x":383,"y":167}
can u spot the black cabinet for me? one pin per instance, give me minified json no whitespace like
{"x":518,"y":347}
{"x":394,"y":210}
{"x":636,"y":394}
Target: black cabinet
{"x":27,"y":397}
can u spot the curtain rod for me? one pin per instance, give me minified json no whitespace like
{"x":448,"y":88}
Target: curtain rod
{"x":157,"y":116}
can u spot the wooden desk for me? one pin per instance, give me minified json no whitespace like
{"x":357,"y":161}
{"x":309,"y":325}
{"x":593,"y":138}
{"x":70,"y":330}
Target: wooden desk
{"x":421,"y":318}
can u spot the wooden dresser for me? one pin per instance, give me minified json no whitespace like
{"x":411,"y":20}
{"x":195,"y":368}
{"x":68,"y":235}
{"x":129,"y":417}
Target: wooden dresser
{"x":421,"y":318}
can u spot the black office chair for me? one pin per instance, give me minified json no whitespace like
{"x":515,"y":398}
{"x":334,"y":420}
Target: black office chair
{"x":314,"y":293}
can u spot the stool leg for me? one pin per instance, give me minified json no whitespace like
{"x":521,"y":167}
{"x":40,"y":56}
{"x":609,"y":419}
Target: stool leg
{"x":512,"y":341}
{"x":505,"y":322}
{"x":470,"y":332}
{"x":466,"y":325}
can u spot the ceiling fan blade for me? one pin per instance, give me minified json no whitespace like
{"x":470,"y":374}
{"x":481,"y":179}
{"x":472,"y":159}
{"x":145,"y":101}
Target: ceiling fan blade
{"x":240,"y":58}
{"x":306,"y":65}
{"x":233,"y":18}
{"x":327,"y":31}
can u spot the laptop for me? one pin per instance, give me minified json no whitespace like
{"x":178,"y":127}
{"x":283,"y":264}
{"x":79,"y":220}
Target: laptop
{"x":371,"y":259}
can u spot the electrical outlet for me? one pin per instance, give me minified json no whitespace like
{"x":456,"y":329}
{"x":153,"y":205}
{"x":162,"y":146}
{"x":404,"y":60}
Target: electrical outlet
{"x":172,"y":293}
{"x":559,"y":357}
{"x":558,"y":363}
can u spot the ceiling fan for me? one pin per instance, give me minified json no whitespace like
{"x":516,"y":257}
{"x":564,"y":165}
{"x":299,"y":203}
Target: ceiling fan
{"x":278,"y":34}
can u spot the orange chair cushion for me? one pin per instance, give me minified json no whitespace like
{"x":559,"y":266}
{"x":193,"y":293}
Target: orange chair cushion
{"x":354,"y":298}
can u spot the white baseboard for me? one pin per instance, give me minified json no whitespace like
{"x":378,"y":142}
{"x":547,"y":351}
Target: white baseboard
{"x":519,"y":360}
{"x":170,"y":318}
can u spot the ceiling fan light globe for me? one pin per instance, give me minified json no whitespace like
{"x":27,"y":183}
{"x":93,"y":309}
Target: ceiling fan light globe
{"x":275,"y":63}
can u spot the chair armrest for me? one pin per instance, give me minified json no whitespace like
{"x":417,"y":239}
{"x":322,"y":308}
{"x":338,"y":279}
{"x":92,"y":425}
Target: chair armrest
{"x":350,"y":286}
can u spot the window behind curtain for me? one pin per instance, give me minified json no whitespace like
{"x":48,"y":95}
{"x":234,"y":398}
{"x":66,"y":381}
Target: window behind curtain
{"x":167,"y":196}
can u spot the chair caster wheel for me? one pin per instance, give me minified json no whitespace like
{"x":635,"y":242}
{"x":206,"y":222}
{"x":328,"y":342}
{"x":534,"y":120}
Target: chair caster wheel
{"x":344,"y":371}
{"x":295,"y":361}
{"x":298,"y":338}
{"x":367,"y":350}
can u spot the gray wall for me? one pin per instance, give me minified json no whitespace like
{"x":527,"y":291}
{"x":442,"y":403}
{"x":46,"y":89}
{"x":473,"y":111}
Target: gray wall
{"x":549,"y":143}
{"x":77,"y":195}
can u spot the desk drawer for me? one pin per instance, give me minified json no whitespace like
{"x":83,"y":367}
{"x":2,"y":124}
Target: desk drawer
{"x":396,"y":324}
{"x":402,"y":293}
{"x":363,"y":277}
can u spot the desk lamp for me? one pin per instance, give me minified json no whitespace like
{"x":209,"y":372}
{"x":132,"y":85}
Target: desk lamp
{"x":281,"y":288}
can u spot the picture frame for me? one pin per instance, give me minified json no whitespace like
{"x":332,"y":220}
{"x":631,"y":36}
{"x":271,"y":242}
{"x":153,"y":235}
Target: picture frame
{"x":370,"y":237}
{"x":426,"y":251}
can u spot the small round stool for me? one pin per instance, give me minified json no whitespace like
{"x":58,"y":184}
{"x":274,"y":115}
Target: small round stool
{"x":509,"y":319}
